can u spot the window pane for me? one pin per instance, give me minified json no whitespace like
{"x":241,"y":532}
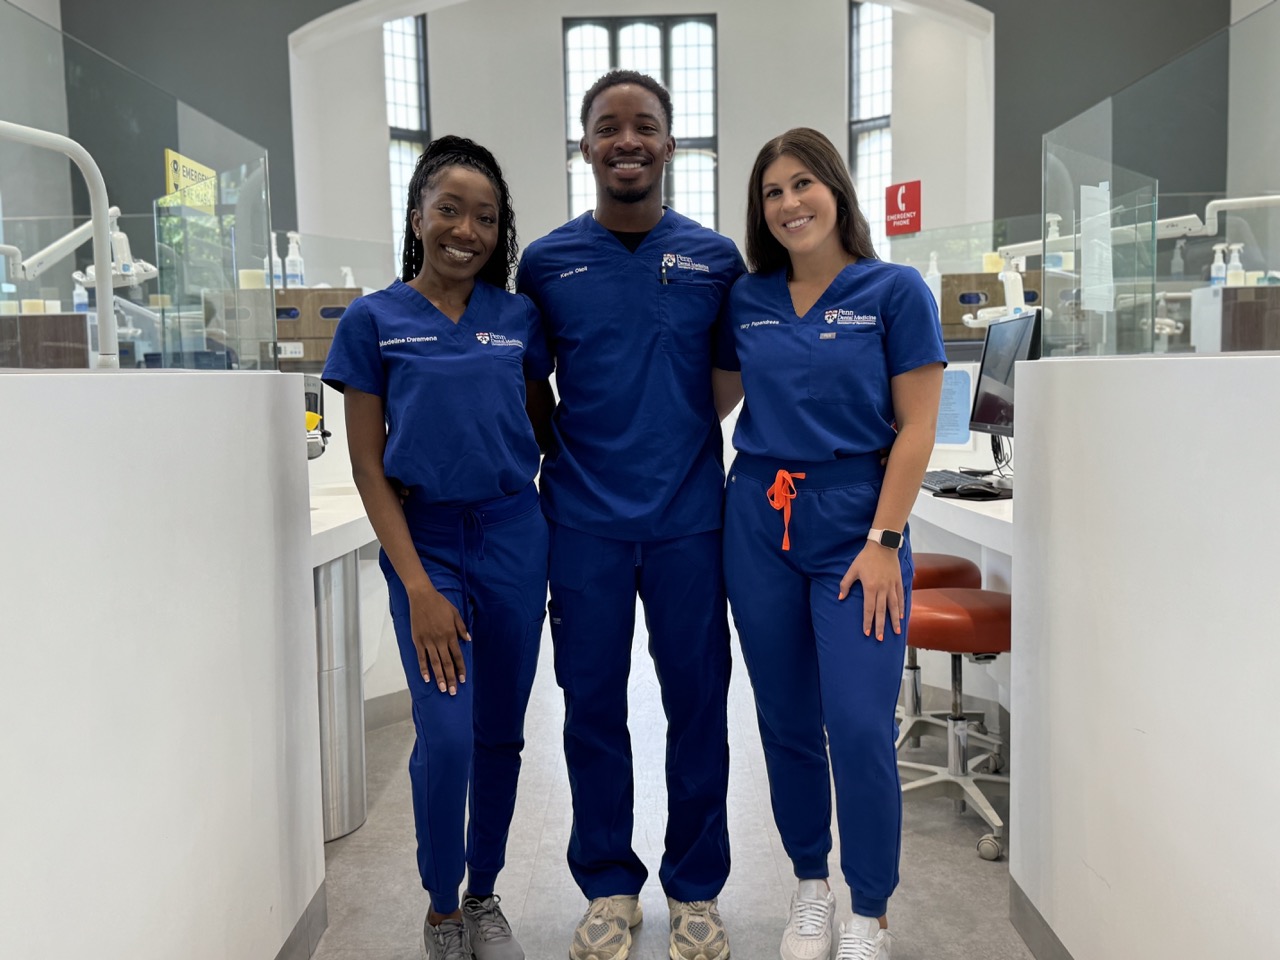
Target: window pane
{"x":404,"y":157}
{"x":693,"y":82}
{"x":403,"y":68}
{"x":640,"y":49}
{"x":874,"y":174}
{"x":586,"y":59}
{"x":694,"y":172}
{"x":873,"y":61}
{"x":582,"y":188}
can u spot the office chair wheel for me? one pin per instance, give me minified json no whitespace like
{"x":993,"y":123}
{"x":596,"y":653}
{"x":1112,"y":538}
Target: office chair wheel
{"x":995,"y":764}
{"x":977,"y":726}
{"x":990,"y":847}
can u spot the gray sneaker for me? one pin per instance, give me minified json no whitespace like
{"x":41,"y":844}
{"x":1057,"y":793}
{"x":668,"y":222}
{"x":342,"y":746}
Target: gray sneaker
{"x":604,"y":932}
{"x":491,"y":937}
{"x":447,"y":941}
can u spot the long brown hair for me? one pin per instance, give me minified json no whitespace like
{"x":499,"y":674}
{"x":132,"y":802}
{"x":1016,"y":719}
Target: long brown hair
{"x":764,"y":253}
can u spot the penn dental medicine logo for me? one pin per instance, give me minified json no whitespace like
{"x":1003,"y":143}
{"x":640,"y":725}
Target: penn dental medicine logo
{"x":499,"y":340}
{"x":849,"y":318}
{"x":683,"y":263}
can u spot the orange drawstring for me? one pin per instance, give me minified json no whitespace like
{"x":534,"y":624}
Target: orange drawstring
{"x":781,"y":494}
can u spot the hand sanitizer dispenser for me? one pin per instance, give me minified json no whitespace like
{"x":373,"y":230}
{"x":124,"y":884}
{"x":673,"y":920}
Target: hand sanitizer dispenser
{"x":1235,"y":269}
{"x":294,"y":273}
{"x":933,"y":280}
{"x":1218,"y":272}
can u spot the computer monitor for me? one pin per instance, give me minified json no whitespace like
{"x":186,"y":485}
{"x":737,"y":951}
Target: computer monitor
{"x":1007,"y":342}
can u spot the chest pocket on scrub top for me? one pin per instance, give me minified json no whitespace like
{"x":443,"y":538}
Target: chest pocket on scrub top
{"x":847,"y":367}
{"x":686,"y":313}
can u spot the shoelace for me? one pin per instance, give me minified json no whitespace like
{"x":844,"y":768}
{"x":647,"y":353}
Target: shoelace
{"x":856,"y":948}
{"x":451,"y":937}
{"x":487,"y":917}
{"x":780,"y":496}
{"x":811,"y":916}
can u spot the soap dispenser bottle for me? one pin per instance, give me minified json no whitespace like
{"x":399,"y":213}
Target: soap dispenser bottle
{"x":1218,"y":272}
{"x":933,"y":279}
{"x":294,"y":273}
{"x":1177,"y":266}
{"x":1235,"y":269}
{"x":272,"y":265}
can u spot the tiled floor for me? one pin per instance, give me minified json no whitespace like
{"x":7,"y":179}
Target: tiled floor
{"x":951,"y":905}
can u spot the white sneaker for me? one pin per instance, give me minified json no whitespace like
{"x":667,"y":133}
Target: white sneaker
{"x":807,"y":935}
{"x":862,"y":939}
{"x":604,"y":932}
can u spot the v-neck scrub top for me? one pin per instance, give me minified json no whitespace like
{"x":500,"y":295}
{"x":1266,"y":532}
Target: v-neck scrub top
{"x":638,"y":450}
{"x":454,"y":394}
{"x":817,"y":387}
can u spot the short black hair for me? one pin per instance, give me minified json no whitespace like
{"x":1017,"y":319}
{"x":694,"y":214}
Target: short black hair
{"x":615,"y":78}
{"x":452,"y":151}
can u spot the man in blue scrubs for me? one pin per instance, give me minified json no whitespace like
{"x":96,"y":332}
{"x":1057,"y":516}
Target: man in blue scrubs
{"x":632,"y":295}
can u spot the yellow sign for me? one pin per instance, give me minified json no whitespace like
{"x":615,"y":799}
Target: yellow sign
{"x":189,"y":183}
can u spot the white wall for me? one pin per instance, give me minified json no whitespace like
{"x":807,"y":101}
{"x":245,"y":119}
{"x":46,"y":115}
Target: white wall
{"x":943,"y":109}
{"x":50,"y":11}
{"x":1253,"y":120}
{"x":159,"y":728}
{"x":1142,"y":817}
{"x":1243,"y":8}
{"x":496,"y":74}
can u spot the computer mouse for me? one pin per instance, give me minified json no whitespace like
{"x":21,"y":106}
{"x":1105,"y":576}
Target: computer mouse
{"x":977,"y":491}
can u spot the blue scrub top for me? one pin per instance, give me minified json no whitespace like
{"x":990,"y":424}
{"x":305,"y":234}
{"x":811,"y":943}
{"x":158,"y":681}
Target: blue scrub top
{"x":638,"y":452}
{"x":817,"y":387}
{"x":454,"y":395}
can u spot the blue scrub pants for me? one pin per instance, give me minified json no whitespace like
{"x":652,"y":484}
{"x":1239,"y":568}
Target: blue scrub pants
{"x":812,"y":668}
{"x":489,"y":561}
{"x":594,"y":583}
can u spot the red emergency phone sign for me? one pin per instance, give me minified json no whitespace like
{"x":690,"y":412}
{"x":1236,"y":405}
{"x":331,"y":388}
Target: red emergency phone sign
{"x":902,"y":208}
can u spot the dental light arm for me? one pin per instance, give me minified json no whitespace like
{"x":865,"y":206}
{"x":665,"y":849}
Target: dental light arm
{"x":100,"y":225}
{"x":1188,"y":225}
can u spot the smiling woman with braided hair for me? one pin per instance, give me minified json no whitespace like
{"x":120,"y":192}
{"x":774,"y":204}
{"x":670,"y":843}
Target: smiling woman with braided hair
{"x":433,"y":370}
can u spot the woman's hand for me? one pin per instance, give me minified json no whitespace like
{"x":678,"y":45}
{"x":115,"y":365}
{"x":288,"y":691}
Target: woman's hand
{"x":878,"y":569}
{"x":436,"y":626}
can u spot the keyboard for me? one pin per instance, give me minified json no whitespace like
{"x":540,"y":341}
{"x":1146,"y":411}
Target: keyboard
{"x":944,"y":481}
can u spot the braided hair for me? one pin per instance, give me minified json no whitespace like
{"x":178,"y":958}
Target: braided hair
{"x":450,"y":151}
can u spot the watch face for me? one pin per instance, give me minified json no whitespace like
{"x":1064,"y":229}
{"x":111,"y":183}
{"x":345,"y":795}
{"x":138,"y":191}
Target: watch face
{"x":891,"y":539}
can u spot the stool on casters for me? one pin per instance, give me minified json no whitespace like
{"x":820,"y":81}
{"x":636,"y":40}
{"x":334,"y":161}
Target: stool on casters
{"x":932,"y":570}
{"x":973,"y":623}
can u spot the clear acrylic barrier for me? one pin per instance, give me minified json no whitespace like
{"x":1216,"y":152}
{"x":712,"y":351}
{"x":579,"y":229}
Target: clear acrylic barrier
{"x":1099,"y":271}
{"x":1207,"y":126}
{"x":55,"y":83}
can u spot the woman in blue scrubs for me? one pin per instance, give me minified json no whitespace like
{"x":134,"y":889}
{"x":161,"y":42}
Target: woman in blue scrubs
{"x":433,"y":369}
{"x":841,"y":361}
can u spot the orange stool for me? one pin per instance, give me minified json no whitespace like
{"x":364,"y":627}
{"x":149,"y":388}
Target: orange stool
{"x":972,"y":623}
{"x":932,"y":570}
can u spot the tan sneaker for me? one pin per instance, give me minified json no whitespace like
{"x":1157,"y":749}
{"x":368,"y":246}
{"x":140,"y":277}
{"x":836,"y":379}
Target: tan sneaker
{"x":604,"y":932}
{"x":697,"y":932}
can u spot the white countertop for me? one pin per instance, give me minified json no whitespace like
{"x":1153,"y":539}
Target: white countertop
{"x":985,"y":522}
{"x":338,"y":522}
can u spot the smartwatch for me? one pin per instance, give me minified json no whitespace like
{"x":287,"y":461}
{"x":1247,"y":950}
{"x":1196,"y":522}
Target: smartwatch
{"x":886,"y":538}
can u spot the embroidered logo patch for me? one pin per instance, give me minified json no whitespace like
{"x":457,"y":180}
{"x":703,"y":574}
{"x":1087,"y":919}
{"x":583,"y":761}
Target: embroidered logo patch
{"x":499,"y":340}
{"x":683,"y":263}
{"x":849,"y":318}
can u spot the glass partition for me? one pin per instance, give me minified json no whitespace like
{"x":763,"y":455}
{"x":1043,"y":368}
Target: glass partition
{"x":1206,"y":126}
{"x":147,"y":144}
{"x":968,"y":265}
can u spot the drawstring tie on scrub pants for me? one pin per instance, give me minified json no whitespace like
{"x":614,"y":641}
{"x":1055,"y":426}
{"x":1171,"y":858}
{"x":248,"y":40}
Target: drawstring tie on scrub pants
{"x":781,"y":494}
{"x":470,"y":530}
